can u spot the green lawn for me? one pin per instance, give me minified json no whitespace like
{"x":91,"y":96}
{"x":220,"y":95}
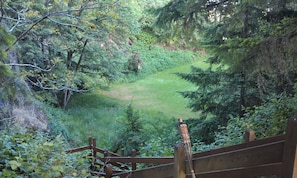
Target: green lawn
{"x":158,"y":92}
{"x":99,"y":113}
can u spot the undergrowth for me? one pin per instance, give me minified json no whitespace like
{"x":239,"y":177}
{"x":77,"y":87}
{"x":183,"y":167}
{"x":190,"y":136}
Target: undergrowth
{"x":156,"y":58}
{"x":36,"y":154}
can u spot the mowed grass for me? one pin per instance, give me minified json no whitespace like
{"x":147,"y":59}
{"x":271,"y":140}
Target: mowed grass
{"x":158,"y":92}
{"x":100,"y":113}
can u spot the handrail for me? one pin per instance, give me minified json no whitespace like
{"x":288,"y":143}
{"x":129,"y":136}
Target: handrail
{"x":265,"y":157}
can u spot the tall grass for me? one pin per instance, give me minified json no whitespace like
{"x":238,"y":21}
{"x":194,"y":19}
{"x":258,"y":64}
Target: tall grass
{"x":94,"y":115}
{"x":156,"y":59}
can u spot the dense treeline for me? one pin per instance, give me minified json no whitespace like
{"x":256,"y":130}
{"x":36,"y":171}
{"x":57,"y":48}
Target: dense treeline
{"x":253,"y":56}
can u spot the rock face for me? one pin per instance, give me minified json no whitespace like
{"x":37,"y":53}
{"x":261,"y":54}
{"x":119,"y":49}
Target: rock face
{"x":30,"y":117}
{"x":23,"y":112}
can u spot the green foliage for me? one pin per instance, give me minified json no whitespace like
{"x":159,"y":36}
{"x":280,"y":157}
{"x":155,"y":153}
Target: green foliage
{"x":155,"y":59}
{"x":91,"y":114}
{"x":203,"y":130}
{"x":219,"y":95}
{"x":147,"y":37}
{"x":251,"y":37}
{"x":6,"y":43}
{"x":7,"y":85}
{"x":37,"y":155}
{"x":131,"y":134}
{"x":250,"y":41}
{"x":63,"y":44}
{"x":266,"y":120}
{"x":102,"y":114}
{"x":56,"y":119}
{"x":163,"y":135}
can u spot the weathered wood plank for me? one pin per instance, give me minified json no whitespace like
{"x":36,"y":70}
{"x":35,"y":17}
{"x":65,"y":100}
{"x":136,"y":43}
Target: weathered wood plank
{"x":243,"y":172}
{"x":103,"y":151}
{"x":247,"y":157}
{"x":241,"y":146}
{"x":83,"y":148}
{"x":162,"y":171}
{"x":147,"y":160}
{"x":179,"y":161}
{"x":290,"y":150}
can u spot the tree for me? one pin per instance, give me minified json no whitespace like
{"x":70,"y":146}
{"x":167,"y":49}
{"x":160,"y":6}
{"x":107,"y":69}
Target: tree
{"x":250,"y":41}
{"x":56,"y":39}
{"x":250,"y":37}
{"x":5,"y":72}
{"x":131,"y":135}
{"x":7,"y":86}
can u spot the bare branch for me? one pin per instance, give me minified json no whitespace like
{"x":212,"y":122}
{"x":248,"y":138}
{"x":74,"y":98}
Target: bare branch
{"x":211,"y":5}
{"x":66,"y":24}
{"x":47,"y":17}
{"x":7,"y":119}
{"x":33,"y":66}
{"x":27,"y":31}
{"x":58,"y":88}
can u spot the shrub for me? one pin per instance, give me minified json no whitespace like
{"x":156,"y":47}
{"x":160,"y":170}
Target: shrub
{"x":266,"y":120}
{"x":131,"y":135}
{"x":37,"y":155}
{"x":155,"y":59}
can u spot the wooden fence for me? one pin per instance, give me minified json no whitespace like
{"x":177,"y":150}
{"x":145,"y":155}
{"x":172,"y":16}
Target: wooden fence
{"x":265,"y":157}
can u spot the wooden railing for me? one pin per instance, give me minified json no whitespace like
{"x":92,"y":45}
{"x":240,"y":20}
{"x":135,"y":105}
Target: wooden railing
{"x":265,"y":157}
{"x":109,"y":164}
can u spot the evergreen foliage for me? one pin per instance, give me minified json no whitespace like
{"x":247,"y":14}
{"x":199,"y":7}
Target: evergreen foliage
{"x":131,"y":135}
{"x":251,"y":42}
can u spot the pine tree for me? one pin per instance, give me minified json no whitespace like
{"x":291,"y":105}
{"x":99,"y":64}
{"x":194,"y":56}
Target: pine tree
{"x":250,"y":42}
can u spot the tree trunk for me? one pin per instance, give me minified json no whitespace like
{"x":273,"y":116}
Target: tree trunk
{"x":81,"y":56}
{"x":67,"y":95}
{"x":242,"y":94}
{"x":69,"y":58}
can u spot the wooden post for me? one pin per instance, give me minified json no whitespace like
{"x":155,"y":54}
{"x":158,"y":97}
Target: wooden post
{"x":94,"y":148}
{"x":90,"y":140}
{"x":123,"y":152}
{"x":249,"y":136}
{"x":108,"y":171}
{"x":289,"y":156}
{"x":184,"y":133}
{"x":133,"y":154}
{"x":106,"y":153}
{"x":179,"y":161}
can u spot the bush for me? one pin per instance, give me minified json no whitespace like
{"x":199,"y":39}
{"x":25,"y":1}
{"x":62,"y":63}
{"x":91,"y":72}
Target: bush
{"x":155,"y":59}
{"x":131,"y":135}
{"x":266,"y":120}
{"x":37,"y":155}
{"x":56,"y":121}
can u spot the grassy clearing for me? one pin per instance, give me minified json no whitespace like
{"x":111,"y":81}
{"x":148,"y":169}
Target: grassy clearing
{"x":100,"y":113}
{"x":158,"y":92}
